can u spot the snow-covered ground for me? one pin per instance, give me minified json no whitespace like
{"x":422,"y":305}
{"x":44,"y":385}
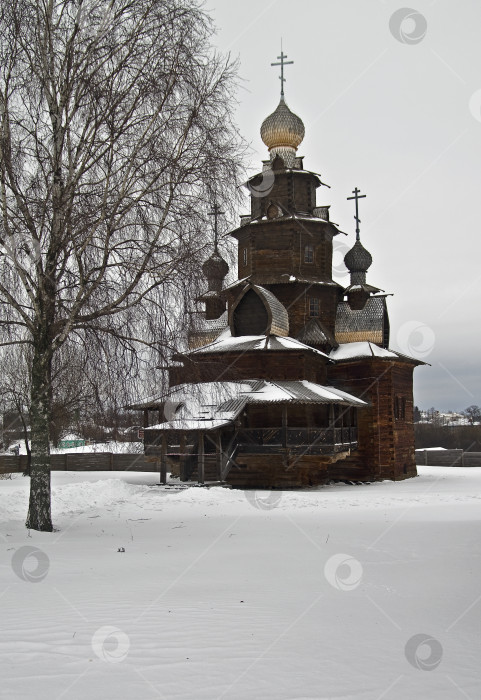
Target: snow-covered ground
{"x":369,"y":592}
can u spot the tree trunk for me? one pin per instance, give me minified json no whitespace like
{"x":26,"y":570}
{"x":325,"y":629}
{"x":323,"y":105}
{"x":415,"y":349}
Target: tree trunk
{"x":39,"y":511}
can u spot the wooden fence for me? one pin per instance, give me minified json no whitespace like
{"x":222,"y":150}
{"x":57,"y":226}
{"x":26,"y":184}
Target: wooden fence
{"x":448,"y":458}
{"x":78,"y":462}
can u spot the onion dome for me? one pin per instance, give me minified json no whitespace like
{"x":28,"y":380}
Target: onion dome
{"x":215,"y":266}
{"x":282,"y":132}
{"x":358,"y":259}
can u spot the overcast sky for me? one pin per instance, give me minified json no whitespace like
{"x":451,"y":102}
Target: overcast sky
{"x":392,"y":106}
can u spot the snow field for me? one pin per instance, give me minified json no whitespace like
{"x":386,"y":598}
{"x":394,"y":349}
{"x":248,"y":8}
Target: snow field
{"x":226,"y":594}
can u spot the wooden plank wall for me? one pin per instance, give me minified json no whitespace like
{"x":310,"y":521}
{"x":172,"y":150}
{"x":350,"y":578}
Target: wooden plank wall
{"x":95,"y":461}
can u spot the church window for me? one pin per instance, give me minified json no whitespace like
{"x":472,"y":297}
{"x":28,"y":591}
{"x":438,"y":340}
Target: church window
{"x":244,"y":256}
{"x":314,"y":306}
{"x":308,"y":253}
{"x":400,"y":407}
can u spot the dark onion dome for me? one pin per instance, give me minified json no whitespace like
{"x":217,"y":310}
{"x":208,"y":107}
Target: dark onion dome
{"x":215,"y":266}
{"x":282,"y":128}
{"x":358,"y":259}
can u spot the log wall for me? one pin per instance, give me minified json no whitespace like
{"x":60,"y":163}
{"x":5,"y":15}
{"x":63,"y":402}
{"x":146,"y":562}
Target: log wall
{"x":385,"y":441}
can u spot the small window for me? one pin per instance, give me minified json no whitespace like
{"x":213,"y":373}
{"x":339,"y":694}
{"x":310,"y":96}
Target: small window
{"x":244,"y":256}
{"x":308,"y":253}
{"x":314,"y":307}
{"x":400,"y":407}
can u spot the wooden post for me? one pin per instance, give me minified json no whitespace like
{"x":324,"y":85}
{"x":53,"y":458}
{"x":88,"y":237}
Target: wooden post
{"x":218,"y":454}
{"x":200,"y":458}
{"x":146,"y":418}
{"x":182,"y":457}
{"x":163,"y":460}
{"x":284,"y":425}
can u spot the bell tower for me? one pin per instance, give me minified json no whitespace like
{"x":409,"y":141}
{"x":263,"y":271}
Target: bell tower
{"x":285,"y":243}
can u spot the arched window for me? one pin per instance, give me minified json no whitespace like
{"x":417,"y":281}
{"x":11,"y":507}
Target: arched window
{"x":244,"y":256}
{"x":308,"y":253}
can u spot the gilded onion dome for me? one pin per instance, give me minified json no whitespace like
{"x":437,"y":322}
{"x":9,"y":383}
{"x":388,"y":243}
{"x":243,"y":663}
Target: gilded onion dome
{"x":282,"y":132}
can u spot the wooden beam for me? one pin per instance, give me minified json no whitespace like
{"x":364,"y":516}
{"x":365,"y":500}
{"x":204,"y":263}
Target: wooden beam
{"x":200,"y":458}
{"x":218,"y":454}
{"x":182,"y":457}
{"x":163,"y":460}
{"x":284,"y":425}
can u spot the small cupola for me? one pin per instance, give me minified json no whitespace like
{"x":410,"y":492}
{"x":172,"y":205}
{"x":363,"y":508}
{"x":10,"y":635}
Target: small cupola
{"x":215,"y":270}
{"x":358,"y":260}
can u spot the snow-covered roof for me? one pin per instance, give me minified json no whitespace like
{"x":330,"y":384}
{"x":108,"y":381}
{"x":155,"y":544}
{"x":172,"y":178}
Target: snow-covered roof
{"x":300,"y":391}
{"x":226,"y":342}
{"x":284,"y":278}
{"x":190,"y":424}
{"x":71,"y":436}
{"x":210,"y":405}
{"x":350,"y":351}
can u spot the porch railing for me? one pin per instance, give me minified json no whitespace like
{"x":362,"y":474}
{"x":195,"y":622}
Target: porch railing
{"x":299,"y":437}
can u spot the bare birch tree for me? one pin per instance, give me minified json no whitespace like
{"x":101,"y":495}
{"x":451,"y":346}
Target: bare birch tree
{"x":115,"y":121}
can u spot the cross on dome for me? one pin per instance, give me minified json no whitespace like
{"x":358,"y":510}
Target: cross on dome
{"x":357,"y":197}
{"x":282,"y":131}
{"x":282,"y":63}
{"x":216,"y":212}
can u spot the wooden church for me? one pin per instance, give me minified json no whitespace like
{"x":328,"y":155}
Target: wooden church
{"x":288,"y":380}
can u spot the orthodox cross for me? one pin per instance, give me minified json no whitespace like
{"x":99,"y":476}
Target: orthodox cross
{"x":215,"y":213}
{"x":357,"y":197}
{"x":282,"y":63}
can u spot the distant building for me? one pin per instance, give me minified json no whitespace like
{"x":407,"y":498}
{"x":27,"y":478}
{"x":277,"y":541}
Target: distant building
{"x":288,"y":380}
{"x":71,"y":440}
